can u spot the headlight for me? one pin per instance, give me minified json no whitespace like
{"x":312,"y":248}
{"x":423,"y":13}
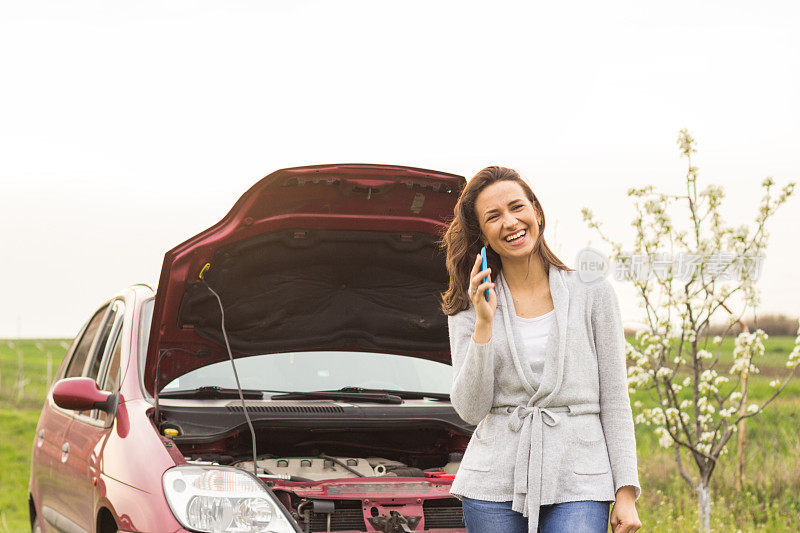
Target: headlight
{"x":217,"y":499}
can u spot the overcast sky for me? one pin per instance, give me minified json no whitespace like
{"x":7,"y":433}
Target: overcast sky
{"x":127,"y":127}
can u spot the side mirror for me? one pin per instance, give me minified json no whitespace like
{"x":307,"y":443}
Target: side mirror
{"x":82,"y":394}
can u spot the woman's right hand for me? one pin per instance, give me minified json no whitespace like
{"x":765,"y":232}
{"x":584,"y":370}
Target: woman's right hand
{"x":483,"y":308}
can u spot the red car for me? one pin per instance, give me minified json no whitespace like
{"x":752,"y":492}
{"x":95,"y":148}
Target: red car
{"x":291,"y":373}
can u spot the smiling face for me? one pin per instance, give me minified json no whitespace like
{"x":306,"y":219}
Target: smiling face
{"x":504,"y":211}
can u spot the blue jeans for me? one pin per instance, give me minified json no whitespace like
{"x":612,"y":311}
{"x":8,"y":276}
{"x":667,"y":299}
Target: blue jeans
{"x":569,"y":517}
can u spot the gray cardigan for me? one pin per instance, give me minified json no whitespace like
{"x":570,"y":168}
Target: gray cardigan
{"x":572,"y":439}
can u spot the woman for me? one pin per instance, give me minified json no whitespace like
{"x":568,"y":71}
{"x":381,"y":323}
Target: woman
{"x":540,"y":368}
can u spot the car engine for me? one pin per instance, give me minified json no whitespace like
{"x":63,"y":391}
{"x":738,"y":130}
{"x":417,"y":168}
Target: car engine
{"x":348,"y":494}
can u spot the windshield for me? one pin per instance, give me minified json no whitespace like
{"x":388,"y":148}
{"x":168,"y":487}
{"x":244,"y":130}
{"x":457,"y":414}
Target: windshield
{"x":323,"y":370}
{"x":311,"y":371}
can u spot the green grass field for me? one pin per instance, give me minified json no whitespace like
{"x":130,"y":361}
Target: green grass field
{"x":769,"y":500}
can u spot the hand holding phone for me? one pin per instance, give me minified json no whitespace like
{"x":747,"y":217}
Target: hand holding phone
{"x":484,"y":266}
{"x":480,"y":282}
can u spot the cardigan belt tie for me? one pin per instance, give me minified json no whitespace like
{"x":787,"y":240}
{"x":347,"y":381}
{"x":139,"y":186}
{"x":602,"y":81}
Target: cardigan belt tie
{"x":529,"y":421}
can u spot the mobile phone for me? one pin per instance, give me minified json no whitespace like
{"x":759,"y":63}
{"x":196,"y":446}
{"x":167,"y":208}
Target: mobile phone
{"x":484,"y":266}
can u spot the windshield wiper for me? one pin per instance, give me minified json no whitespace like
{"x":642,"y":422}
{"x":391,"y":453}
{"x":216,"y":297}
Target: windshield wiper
{"x":212,"y":393}
{"x":408,"y":395}
{"x":339,"y":395}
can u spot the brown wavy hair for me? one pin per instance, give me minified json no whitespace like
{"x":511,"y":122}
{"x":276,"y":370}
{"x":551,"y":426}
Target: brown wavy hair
{"x":462,"y":239}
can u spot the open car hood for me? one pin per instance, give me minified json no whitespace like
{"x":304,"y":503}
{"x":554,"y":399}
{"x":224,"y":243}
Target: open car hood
{"x":326,"y":257}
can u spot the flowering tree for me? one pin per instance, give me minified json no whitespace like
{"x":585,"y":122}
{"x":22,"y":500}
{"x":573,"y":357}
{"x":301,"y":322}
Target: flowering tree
{"x":684,"y":277}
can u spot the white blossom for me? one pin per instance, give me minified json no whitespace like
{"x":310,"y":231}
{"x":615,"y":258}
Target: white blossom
{"x":664,"y":372}
{"x":708,"y":375}
{"x":747,"y":346}
{"x":794,"y":357}
{"x":707,"y":388}
{"x":704,"y":354}
{"x":664,"y":438}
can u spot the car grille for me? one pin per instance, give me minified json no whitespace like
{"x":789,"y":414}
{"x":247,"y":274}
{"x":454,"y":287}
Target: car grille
{"x":442,"y":513}
{"x":323,"y":406}
{"x":341,"y":520}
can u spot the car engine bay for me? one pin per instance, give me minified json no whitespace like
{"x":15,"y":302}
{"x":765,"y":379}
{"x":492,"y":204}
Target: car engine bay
{"x":348,"y":478}
{"x":328,"y":493}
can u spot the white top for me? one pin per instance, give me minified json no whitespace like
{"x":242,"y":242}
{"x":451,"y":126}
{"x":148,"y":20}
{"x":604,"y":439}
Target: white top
{"x":535,"y":332}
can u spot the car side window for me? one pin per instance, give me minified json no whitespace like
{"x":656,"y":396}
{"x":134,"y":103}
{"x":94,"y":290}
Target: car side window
{"x":93,"y":368}
{"x":76,"y":364}
{"x":104,"y":345}
{"x":62,"y":368}
{"x":109,"y":381}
